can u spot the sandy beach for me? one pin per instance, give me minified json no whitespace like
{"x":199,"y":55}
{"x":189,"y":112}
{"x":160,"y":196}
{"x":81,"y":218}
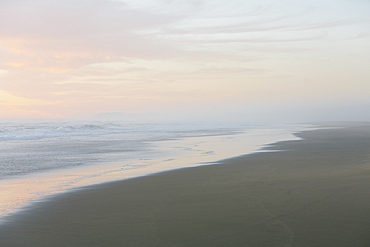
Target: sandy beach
{"x":312,"y":192}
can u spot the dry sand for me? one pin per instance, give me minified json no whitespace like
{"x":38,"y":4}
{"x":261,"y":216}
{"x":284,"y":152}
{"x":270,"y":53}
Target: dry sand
{"x":315,"y":193}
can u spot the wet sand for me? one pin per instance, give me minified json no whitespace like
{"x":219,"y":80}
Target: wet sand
{"x":316,"y":192}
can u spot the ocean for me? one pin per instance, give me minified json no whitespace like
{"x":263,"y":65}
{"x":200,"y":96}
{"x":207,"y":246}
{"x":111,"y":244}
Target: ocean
{"x":39,"y":159}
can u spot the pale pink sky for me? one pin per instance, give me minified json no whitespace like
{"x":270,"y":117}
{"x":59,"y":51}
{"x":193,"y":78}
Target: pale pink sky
{"x":78,"y":58}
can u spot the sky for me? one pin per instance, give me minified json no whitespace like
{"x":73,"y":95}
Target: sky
{"x":273,"y":60}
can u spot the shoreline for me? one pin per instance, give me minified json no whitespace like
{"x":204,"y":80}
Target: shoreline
{"x":313,"y":193}
{"x":164,"y":155}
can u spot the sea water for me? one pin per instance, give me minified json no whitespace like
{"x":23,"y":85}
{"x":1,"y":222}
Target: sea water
{"x":38,"y":159}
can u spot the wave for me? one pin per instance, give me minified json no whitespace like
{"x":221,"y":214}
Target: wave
{"x":33,"y":131}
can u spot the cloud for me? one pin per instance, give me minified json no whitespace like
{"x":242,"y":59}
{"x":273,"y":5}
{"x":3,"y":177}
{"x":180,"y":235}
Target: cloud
{"x":62,"y":35}
{"x":228,"y":71}
{"x":10,"y":100}
{"x":66,"y":34}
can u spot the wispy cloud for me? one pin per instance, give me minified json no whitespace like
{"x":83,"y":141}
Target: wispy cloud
{"x":55,"y":34}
